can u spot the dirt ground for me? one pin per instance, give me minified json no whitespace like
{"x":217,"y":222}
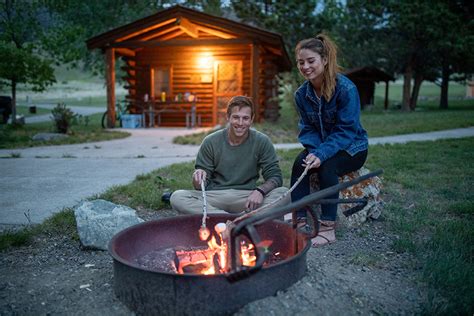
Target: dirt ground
{"x":357,"y":275}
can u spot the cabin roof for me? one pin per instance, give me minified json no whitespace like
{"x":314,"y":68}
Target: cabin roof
{"x":368,"y":73}
{"x":183,"y":26}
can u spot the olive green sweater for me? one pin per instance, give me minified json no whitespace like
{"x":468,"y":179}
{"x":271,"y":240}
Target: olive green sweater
{"x":238,"y":167}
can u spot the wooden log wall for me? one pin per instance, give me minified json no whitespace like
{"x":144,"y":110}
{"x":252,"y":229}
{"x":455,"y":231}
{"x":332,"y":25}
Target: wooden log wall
{"x":268,"y":87}
{"x":188,"y":76}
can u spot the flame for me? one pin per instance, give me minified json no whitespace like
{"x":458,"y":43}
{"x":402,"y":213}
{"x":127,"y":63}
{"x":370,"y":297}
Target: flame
{"x":247,"y":252}
{"x":205,"y":257}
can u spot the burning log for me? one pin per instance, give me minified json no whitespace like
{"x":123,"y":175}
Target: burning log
{"x":198,"y":261}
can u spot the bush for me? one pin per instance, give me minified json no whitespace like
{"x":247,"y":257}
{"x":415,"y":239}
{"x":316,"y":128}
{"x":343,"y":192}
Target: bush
{"x":63,"y":118}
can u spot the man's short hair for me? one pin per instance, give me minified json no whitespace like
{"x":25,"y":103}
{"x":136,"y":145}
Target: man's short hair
{"x":240,"y":101}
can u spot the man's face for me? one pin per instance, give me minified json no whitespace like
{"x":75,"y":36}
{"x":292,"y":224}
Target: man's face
{"x":240,"y":121}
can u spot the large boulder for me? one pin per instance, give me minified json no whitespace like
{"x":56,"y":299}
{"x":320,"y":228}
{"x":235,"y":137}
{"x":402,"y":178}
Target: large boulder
{"x":369,"y":189}
{"x":99,"y":220}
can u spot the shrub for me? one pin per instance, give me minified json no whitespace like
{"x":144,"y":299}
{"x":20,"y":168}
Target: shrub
{"x":63,"y":117}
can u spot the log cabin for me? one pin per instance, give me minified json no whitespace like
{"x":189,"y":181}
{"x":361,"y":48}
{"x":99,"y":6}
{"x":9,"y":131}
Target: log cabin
{"x":181,"y":62}
{"x":365,"y":78}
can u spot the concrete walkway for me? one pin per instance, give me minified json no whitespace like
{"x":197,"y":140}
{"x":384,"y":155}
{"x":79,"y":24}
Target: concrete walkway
{"x":44,"y":180}
{"x":402,"y":139}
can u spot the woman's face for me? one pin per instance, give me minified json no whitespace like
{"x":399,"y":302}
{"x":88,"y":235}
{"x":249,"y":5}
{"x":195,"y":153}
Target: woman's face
{"x":310,"y":64}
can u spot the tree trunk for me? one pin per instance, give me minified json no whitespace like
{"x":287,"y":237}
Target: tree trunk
{"x":13,"y":102}
{"x":443,"y":101}
{"x":407,"y":76}
{"x":110,"y":80}
{"x":416,"y":91}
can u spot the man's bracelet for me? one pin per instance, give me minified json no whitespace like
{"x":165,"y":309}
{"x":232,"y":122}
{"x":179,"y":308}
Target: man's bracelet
{"x":261,"y":191}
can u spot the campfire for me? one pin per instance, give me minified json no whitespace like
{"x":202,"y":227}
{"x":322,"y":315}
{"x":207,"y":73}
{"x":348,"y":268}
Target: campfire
{"x":165,"y":267}
{"x":213,"y":259}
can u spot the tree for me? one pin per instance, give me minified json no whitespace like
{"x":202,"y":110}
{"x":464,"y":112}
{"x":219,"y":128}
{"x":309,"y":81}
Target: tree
{"x":456,"y":42}
{"x":72,"y":22}
{"x":20,"y":61}
{"x":294,"y":20}
{"x":362,"y":36}
{"x":415,"y":38}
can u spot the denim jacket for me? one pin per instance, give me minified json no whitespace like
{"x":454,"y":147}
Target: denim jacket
{"x":327,"y":127}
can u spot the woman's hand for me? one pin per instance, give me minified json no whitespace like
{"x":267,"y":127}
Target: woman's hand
{"x":312,"y":161}
{"x":199,"y":176}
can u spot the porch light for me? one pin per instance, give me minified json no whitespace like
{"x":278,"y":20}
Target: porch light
{"x":205,"y":61}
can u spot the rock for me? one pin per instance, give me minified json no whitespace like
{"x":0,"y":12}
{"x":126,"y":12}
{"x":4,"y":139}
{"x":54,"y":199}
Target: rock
{"x":48,"y":136}
{"x":99,"y":220}
{"x":369,"y":189}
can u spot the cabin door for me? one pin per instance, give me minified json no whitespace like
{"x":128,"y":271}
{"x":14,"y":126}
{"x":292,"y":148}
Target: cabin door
{"x":227,"y":83}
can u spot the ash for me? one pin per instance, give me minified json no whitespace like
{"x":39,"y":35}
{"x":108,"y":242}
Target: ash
{"x":158,"y":260}
{"x":163,"y":260}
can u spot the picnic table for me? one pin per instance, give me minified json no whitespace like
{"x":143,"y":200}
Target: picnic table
{"x":154,"y":111}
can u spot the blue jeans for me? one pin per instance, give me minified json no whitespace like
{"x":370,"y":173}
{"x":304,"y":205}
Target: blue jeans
{"x":328,"y":174}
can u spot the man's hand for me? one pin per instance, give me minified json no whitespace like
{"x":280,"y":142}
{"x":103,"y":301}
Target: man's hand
{"x":254,"y":200}
{"x":199,"y":176}
{"x":312,"y":161}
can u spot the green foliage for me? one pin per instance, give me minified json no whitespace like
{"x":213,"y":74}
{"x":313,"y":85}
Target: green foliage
{"x":294,"y":20}
{"x":73,"y":22}
{"x":20,"y":59}
{"x":60,"y":224}
{"x":405,"y":37}
{"x":427,"y":188}
{"x":63,"y":117}
{"x":146,"y":190}
{"x":14,"y":239}
{"x":22,"y":65}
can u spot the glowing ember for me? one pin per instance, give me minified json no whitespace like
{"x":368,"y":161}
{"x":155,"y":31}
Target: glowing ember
{"x":247,"y":254}
{"x":212,"y":259}
{"x":206,"y":261}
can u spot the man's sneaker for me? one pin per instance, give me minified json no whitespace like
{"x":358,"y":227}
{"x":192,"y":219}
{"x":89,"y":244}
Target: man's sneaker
{"x":165,"y":197}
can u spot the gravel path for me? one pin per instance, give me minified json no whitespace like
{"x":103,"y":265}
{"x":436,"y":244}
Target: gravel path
{"x":358,"y":274}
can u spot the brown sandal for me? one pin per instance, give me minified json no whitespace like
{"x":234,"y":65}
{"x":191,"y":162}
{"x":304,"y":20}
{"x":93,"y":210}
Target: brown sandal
{"x":326,"y":228}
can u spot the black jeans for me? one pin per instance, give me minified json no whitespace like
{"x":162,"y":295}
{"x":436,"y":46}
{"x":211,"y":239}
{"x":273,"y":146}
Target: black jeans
{"x":328,"y":174}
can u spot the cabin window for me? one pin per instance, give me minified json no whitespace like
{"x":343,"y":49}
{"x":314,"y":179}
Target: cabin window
{"x":160,"y":81}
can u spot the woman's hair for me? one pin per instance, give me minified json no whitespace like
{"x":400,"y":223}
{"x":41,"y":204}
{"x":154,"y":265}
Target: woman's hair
{"x":240,"y":101}
{"x":326,"y":48}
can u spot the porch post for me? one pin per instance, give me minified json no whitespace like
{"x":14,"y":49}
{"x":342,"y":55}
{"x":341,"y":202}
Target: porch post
{"x":255,"y":78}
{"x":110,"y":82}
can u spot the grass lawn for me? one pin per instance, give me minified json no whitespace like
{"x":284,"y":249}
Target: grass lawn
{"x":88,"y":130}
{"x":428,"y":90}
{"x":377,"y":122}
{"x":24,"y":110}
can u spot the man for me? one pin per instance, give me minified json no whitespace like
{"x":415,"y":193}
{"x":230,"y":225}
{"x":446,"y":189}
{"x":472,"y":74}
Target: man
{"x":229,"y":162}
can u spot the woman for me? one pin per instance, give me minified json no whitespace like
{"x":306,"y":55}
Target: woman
{"x":330,"y":130}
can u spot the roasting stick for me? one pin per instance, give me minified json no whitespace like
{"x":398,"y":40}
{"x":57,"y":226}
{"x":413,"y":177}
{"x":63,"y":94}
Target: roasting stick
{"x":226,"y":228}
{"x":276,"y":201}
{"x":204,"y":232}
